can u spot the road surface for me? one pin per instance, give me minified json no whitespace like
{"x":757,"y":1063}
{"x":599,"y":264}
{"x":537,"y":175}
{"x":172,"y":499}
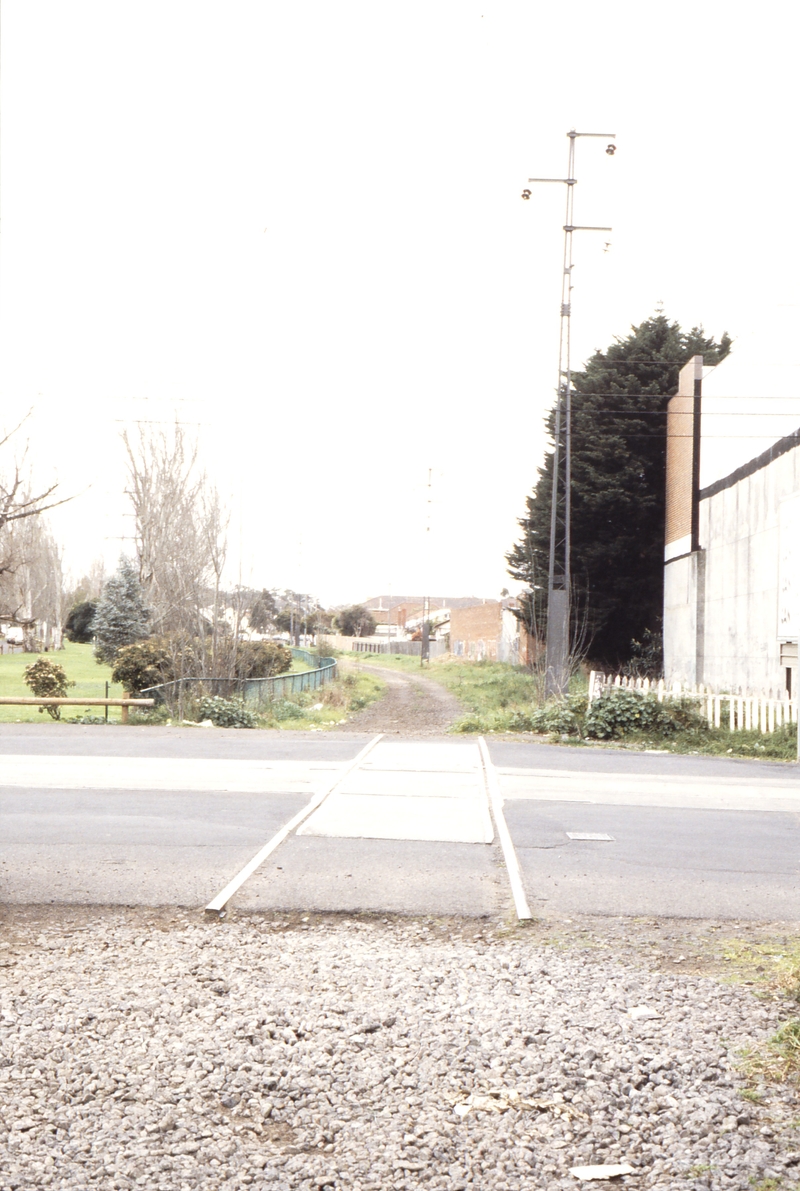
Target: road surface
{"x":168,"y":816}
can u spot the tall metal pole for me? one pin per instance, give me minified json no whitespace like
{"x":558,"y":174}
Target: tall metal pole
{"x":557,"y":657}
{"x":424,"y":649}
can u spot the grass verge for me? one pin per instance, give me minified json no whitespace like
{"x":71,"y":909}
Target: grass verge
{"x":80,"y":666}
{"x":325,"y":708}
{"x":489,"y":691}
{"x":499,"y":699}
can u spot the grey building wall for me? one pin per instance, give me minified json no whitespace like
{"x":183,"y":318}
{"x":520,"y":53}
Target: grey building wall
{"x":683,"y":636}
{"x":729,"y":606}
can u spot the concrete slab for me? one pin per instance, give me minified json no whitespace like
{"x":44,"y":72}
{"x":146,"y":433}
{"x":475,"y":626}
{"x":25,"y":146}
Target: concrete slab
{"x":365,"y":816}
{"x":425,"y":756}
{"x":419,"y":791}
{"x":402,"y":783}
{"x":388,"y":876}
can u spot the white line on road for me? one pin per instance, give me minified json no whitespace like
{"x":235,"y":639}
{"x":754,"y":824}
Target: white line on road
{"x":509,"y":855}
{"x":218,"y":904}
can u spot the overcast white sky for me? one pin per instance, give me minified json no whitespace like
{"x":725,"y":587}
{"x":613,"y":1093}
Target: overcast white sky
{"x":299,"y":226}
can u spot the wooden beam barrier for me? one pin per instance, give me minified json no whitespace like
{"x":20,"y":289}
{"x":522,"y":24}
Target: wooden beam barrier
{"x":29,"y":701}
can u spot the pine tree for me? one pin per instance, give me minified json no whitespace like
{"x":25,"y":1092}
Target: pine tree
{"x":618,"y":469}
{"x":122,"y":616}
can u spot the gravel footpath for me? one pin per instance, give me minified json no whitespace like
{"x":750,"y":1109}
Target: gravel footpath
{"x":161,"y":1051}
{"x":415,"y":706}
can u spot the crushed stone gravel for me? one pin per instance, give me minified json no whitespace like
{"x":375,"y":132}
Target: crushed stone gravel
{"x":163,"y":1051}
{"x":410,"y":705}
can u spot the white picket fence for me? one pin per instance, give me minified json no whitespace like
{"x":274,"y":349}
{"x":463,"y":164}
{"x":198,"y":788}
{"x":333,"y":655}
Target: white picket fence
{"x":762,"y":712}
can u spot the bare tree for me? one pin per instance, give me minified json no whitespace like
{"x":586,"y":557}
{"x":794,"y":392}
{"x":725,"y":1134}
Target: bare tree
{"x":180,"y":530}
{"x":31,"y":581}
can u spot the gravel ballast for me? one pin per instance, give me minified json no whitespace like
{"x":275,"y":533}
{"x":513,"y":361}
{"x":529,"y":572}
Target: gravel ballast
{"x":164,"y":1051}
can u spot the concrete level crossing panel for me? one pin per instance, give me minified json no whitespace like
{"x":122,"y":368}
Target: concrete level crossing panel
{"x":410,"y":791}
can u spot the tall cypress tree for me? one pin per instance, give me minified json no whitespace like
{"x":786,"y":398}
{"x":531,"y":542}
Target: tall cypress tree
{"x":618,"y":478}
{"x":122,"y":616}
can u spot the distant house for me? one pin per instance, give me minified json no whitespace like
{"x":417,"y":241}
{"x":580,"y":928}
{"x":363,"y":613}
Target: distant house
{"x":488,"y":630}
{"x":401,"y":616}
{"x":732,"y":553}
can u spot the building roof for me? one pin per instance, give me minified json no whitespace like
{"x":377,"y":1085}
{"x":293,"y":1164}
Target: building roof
{"x":382,"y":602}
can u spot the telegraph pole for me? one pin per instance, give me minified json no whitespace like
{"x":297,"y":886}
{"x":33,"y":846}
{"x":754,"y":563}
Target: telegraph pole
{"x":425,"y":648}
{"x":559,"y":568}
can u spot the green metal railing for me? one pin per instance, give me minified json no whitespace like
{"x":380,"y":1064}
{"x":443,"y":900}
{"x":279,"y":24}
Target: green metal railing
{"x":256,"y":691}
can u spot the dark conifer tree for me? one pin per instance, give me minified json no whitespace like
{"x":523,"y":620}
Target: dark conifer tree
{"x":618,"y":467}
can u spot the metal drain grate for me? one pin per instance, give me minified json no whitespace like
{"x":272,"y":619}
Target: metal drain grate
{"x":591,"y":835}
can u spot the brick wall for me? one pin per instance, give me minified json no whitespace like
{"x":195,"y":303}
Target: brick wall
{"x":476,"y":631}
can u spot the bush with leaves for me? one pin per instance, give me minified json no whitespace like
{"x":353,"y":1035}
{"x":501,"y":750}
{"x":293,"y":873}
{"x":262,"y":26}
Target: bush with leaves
{"x":47,"y":680}
{"x":78,"y":625}
{"x":562,"y":717}
{"x":285,"y":709}
{"x":225,"y":713}
{"x":622,"y":712}
{"x":142,"y":665}
{"x":262,"y":659}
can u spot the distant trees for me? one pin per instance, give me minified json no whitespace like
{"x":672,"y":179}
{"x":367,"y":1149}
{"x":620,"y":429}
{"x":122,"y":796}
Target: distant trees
{"x":618,"y":495}
{"x":263,"y":610}
{"x":31,"y":584}
{"x":78,"y":625}
{"x":355,"y":621}
{"x":122,"y":616}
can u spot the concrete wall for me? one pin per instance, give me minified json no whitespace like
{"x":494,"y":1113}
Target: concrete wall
{"x":683,"y":643}
{"x":730,"y":606}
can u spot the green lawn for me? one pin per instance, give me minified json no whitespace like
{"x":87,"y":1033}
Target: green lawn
{"x":80,"y":666}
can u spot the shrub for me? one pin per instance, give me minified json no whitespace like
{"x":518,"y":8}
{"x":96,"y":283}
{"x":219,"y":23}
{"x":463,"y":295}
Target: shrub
{"x":78,"y":625}
{"x":47,"y":680}
{"x":149,"y":715}
{"x":225,"y":713}
{"x":145,"y":664}
{"x":620,"y":712}
{"x":562,"y":717}
{"x":262,"y":659}
{"x":284,"y":709}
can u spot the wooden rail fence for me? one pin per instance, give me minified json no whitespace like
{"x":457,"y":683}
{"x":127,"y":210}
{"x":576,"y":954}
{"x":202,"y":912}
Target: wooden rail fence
{"x":32,"y":701}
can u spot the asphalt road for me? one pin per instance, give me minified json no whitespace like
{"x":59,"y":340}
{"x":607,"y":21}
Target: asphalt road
{"x":154,"y":816}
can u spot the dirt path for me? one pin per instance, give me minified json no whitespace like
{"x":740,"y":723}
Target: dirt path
{"x":411,"y":706}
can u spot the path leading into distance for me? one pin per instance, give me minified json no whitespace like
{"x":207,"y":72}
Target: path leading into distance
{"x":167,"y":816}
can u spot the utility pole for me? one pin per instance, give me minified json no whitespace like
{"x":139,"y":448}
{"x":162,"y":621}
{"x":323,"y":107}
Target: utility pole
{"x":559,"y":568}
{"x":425,"y":648}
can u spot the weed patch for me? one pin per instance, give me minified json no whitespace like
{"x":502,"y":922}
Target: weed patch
{"x":779,"y":1059}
